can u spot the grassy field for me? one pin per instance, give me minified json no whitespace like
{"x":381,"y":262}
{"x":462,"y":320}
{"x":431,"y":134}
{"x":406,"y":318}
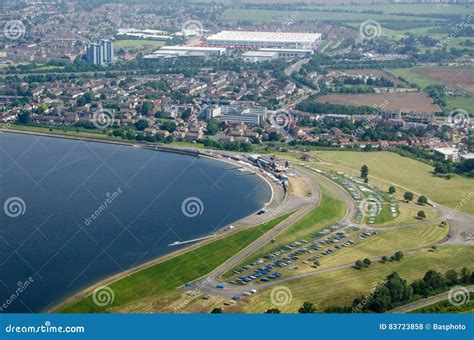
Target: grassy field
{"x":407,"y":173}
{"x":342,"y":286}
{"x":139,"y":44}
{"x":329,"y":211}
{"x":411,"y":76}
{"x":388,"y":242}
{"x":158,"y":283}
{"x":447,"y":307}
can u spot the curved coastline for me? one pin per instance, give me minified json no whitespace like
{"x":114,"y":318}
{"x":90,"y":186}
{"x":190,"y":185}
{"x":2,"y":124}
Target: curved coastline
{"x":221,"y":233}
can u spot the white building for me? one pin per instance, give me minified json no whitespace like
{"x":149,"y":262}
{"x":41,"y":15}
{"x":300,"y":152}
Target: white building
{"x":259,"y":56}
{"x":235,"y":113}
{"x":449,"y":154}
{"x":187,"y":51}
{"x":265,"y":39}
{"x":289,"y":52}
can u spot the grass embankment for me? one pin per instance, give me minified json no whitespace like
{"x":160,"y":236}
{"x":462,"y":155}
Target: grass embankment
{"x":409,"y":174}
{"x":328,"y":212}
{"x":448,"y":307}
{"x":159,"y":282}
{"x":342,"y":286}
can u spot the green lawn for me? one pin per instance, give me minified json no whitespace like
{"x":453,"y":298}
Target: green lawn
{"x":411,"y":76}
{"x":407,"y":173}
{"x":342,"y":286}
{"x":162,"y":279}
{"x":328,"y":212}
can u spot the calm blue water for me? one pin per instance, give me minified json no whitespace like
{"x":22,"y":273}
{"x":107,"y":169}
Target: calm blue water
{"x":63,"y":182}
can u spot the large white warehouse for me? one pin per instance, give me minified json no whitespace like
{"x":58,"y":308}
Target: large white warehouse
{"x":265,"y":39}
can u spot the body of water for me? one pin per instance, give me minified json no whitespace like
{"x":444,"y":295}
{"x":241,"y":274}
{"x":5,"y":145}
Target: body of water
{"x":76,"y":212}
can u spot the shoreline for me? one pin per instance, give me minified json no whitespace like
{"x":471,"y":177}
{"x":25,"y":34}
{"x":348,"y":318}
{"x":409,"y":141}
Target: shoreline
{"x":223,"y":232}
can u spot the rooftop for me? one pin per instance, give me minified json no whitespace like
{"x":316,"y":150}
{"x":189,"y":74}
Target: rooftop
{"x":266,"y":36}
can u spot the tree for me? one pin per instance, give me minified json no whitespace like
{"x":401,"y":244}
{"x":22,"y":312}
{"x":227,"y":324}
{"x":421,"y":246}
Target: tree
{"x":367,"y":262}
{"x":212,"y":127}
{"x":398,"y":255}
{"x":273,"y":311}
{"x":384,"y":259}
{"x":364,"y":172}
{"x":141,"y":124}
{"x":408,"y":196}
{"x":307,"y":308}
{"x":421,"y":214}
{"x":359,"y":264}
{"x":146,"y":108}
{"x":422,"y":200}
{"x":217,"y":311}
{"x":392,"y":189}
{"x":451,"y":277}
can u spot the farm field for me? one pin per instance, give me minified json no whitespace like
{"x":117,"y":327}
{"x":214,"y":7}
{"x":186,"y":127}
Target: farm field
{"x":406,"y":102}
{"x":411,"y":76}
{"x":340,"y":287}
{"x":405,"y":172}
{"x":449,"y":75}
{"x":158,"y":283}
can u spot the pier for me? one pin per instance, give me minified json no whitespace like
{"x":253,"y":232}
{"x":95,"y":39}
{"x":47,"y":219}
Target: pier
{"x":178,"y":243}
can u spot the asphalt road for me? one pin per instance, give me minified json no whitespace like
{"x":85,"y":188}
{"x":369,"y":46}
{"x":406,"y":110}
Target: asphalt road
{"x":425,"y":302}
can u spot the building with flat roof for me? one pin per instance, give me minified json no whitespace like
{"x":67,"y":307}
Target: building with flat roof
{"x":254,"y":115}
{"x":100,"y":53}
{"x":186,"y":51}
{"x":259,"y":56}
{"x":448,"y":154}
{"x":265,"y":39}
{"x":289,"y":52}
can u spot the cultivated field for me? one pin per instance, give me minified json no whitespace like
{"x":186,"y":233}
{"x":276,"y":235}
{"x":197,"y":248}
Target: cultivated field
{"x":406,"y":102}
{"x":461,"y":78}
{"x":342,"y":286}
{"x":407,"y":173}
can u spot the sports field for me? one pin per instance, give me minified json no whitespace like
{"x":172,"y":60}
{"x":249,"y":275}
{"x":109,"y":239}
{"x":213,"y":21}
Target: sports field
{"x":342,"y":286}
{"x":407,"y":173}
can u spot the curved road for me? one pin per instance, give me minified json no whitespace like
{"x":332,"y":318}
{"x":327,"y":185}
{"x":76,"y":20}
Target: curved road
{"x":461,"y":231}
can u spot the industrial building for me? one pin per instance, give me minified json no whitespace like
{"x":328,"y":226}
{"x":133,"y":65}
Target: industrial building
{"x":186,"y":51}
{"x":265,"y":39}
{"x":259,"y":56}
{"x":289,"y":52}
